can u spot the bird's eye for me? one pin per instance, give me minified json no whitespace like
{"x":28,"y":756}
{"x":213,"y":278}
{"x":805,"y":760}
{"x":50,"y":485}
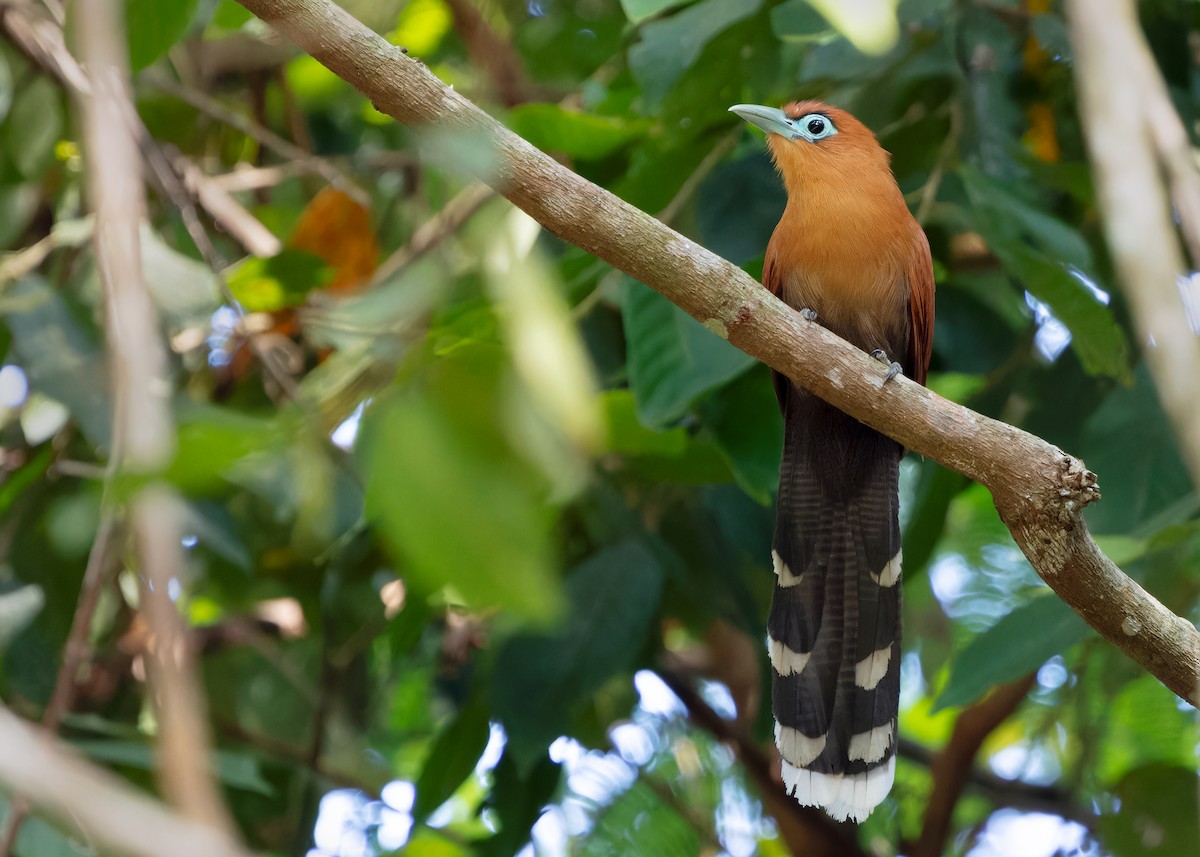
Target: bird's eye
{"x":816,"y":126}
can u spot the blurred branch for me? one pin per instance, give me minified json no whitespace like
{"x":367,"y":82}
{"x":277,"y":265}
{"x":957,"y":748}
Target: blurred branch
{"x":1039,"y":490}
{"x":492,"y":53}
{"x":1005,"y":792}
{"x":951,"y":767}
{"x":104,"y":811}
{"x":806,"y":830}
{"x":76,"y":651}
{"x":299,"y":158}
{"x":461,"y":208}
{"x":1133,"y":131}
{"x":143,"y":430}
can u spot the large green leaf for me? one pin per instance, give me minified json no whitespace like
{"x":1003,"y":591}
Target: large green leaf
{"x":34,"y":126}
{"x":538,"y":679}
{"x":61,"y":357}
{"x":673,"y":359}
{"x":1130,"y":445}
{"x":668,"y":47}
{"x":585,"y":136}
{"x":452,"y":758}
{"x":1015,"y":646}
{"x":1050,"y":259}
{"x":153,"y":27}
{"x":639,"y":10}
{"x":454,"y":502}
{"x":744,"y":418}
{"x":1157,"y":816}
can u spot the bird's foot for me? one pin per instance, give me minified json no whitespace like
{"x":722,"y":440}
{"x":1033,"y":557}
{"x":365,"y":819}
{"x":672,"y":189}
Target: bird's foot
{"x":808,"y":314}
{"x":894,"y":368}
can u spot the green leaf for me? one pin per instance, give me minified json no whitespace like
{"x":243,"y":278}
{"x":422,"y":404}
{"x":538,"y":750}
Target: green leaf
{"x":538,"y":679}
{"x":452,"y":758}
{"x":1129,"y":442}
{"x":186,"y":291}
{"x":1158,"y":814}
{"x":267,"y":285}
{"x":673,"y":359}
{"x":670,"y":46}
{"x":18,"y":607}
{"x":6,"y":87}
{"x":1010,"y":225}
{"x":34,"y":126}
{"x":639,"y":824}
{"x":236,"y":770}
{"x":153,"y":27}
{"x":59,"y":355}
{"x":453,"y":501}
{"x":585,"y":136}
{"x":211,"y":441}
{"x":798,"y":21}
{"x":517,"y":798}
{"x":639,"y":10}
{"x":1096,"y":337}
{"x":744,"y":418}
{"x":1015,"y":646}
{"x":738,"y":206}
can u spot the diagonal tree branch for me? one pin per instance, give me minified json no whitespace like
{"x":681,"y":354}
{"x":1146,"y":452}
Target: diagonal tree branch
{"x":1039,"y":490}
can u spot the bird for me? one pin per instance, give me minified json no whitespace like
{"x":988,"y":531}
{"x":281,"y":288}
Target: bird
{"x":848,"y":254}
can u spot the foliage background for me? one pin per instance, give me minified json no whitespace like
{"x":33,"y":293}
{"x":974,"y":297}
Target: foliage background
{"x":491,"y":493}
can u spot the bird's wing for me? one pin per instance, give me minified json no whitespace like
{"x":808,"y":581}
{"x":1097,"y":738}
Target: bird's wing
{"x":920,"y":306}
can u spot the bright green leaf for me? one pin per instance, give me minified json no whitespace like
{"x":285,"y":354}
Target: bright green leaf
{"x":267,"y":285}
{"x":462,"y":513}
{"x":585,"y":136}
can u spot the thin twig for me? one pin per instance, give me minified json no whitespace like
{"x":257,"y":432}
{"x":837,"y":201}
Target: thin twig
{"x":461,"y":208}
{"x":298,"y":157}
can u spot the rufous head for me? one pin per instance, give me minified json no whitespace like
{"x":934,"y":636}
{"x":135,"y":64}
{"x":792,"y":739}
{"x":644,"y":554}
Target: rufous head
{"x":811,"y":141}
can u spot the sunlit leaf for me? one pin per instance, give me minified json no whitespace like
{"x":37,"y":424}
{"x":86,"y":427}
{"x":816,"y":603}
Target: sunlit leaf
{"x":460,"y":514}
{"x":586,"y":136}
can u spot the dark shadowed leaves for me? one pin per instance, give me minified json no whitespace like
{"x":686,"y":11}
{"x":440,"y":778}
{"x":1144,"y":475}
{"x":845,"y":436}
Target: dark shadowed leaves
{"x":672,"y":358}
{"x":538,"y":679}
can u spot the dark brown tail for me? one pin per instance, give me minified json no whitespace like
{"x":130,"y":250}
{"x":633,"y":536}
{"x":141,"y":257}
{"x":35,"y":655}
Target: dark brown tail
{"x":834,"y":627}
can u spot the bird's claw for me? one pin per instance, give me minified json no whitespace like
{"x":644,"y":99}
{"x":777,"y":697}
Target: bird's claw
{"x":808,"y":314}
{"x":894,"y":368}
